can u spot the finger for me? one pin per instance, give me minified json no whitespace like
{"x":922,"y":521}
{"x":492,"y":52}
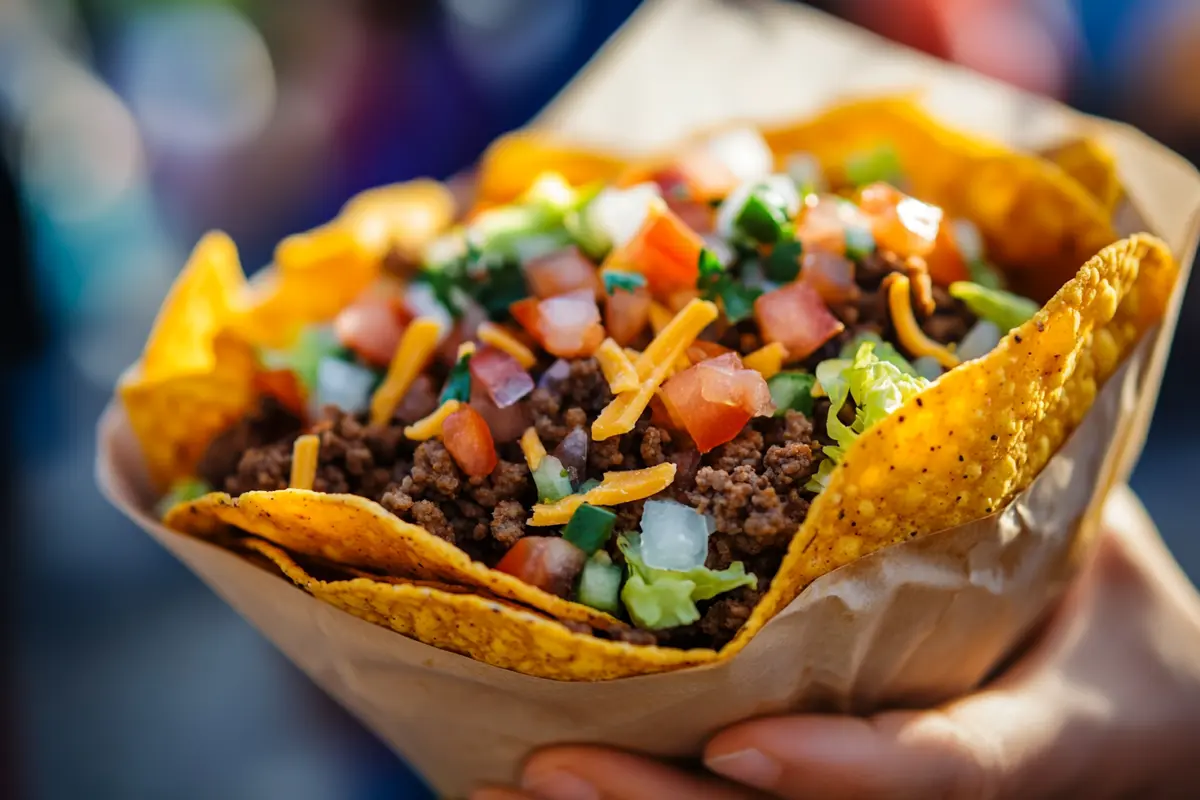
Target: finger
{"x":499,"y":793}
{"x":592,"y":773}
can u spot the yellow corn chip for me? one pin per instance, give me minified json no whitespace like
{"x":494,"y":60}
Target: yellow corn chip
{"x":348,"y":529}
{"x":510,"y":164}
{"x":965,"y":446}
{"x":1092,"y":166}
{"x":400,"y":219}
{"x":484,"y":629}
{"x":192,"y":380}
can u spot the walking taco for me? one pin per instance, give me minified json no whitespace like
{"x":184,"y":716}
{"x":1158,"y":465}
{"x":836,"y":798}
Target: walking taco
{"x":616,"y":415}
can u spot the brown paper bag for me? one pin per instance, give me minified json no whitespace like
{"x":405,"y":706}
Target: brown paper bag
{"x":913,"y":624}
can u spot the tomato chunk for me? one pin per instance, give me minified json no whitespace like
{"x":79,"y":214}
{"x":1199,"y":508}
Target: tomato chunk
{"x":371,"y":326}
{"x":626,"y":314}
{"x":796,"y":317}
{"x":550,"y":563}
{"x":560,"y":272}
{"x":696,"y":175}
{"x":822,"y":222}
{"x":715,"y":399}
{"x":469,"y":441}
{"x":284,"y":386}
{"x":830,"y":274}
{"x":945,"y":262}
{"x":901,"y":224}
{"x":665,"y":250}
{"x":505,"y":380}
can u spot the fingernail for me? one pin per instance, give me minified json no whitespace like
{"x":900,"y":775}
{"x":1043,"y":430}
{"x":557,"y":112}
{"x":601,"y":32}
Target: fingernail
{"x":559,"y":785}
{"x":746,"y":766}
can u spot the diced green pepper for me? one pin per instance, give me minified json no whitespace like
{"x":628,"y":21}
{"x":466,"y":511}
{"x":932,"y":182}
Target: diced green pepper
{"x":600,"y":583}
{"x":552,"y":480}
{"x":458,"y":384}
{"x":783,"y":263}
{"x":590,"y":527}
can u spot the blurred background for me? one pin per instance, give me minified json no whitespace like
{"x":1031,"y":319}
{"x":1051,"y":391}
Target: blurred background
{"x":129,"y":127}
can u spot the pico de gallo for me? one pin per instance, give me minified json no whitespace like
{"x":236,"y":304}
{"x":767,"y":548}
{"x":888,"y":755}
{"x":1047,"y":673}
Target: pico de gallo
{"x":628,"y":395}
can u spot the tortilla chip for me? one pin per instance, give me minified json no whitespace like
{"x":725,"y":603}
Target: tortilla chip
{"x":400,"y":219}
{"x":1092,"y":166}
{"x":484,"y":629}
{"x":348,"y":529}
{"x":192,"y":381}
{"x":512,"y":162}
{"x":964,"y":447}
{"x":1038,"y":222}
{"x":316,"y":275}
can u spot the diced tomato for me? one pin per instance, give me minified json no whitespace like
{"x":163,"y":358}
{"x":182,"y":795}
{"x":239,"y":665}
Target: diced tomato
{"x":696,"y":175}
{"x":830,"y":274}
{"x":505,"y":380}
{"x":700,"y":217}
{"x":371,"y":326}
{"x":796,"y":317}
{"x":946,"y":263}
{"x":469,"y":440}
{"x":560,"y":272}
{"x":550,"y":563}
{"x":715,"y":399}
{"x":525,"y":311}
{"x":701,"y":350}
{"x":284,"y":386}
{"x":569,"y":325}
{"x":901,"y":224}
{"x":665,"y":250}
{"x":626,"y":314}
{"x":821,"y":224}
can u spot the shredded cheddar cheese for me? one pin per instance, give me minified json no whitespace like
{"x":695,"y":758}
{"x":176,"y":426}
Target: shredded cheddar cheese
{"x":617,"y":368}
{"x":499,"y":338}
{"x":767,"y":360}
{"x":465,"y":349}
{"x":431,"y":426}
{"x":616,"y":488}
{"x":532,"y":447}
{"x":908,"y":331}
{"x":658,"y":360}
{"x":660,"y":317}
{"x":417,"y":344}
{"x":304,"y":461}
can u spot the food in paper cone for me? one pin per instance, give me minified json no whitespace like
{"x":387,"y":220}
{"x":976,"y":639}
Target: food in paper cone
{"x":637,"y":406}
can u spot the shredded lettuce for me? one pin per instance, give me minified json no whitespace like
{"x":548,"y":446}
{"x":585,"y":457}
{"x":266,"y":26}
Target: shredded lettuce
{"x":884,"y":351}
{"x":660,"y":598}
{"x":1003,"y":309}
{"x":878,"y":387}
{"x":184,"y":490}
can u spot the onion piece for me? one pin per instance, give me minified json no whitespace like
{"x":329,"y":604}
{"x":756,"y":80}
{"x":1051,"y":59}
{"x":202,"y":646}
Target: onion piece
{"x":674,"y":536}
{"x":979,"y":341}
{"x":506,"y":424}
{"x":501,"y":375}
{"x":344,"y":385}
{"x":572,"y":452}
{"x":831,"y":275}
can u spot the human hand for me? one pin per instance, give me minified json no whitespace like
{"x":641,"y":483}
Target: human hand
{"x":1106,"y":704}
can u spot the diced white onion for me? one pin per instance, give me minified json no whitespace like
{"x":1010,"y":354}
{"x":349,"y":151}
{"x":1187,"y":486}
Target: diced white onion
{"x":421,"y":301}
{"x":720,"y":248}
{"x":968,"y":239}
{"x":744,"y":152}
{"x":776,"y":191}
{"x":928,"y":368}
{"x":979,"y":341}
{"x":805,"y":171}
{"x":445,"y":248}
{"x":342,"y":384}
{"x":674,"y":536}
{"x":618,"y":214}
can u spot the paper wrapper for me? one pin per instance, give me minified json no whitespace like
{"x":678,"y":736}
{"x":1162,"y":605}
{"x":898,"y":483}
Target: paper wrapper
{"x":913,"y":624}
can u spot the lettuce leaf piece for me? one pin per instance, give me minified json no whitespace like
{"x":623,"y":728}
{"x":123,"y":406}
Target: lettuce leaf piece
{"x":661,"y":598}
{"x":1003,"y":309}
{"x":884,"y":351}
{"x":878,"y":387}
{"x":184,"y":490}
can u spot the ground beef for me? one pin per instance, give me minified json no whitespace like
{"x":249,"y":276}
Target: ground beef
{"x":269,"y":422}
{"x":560,"y":405}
